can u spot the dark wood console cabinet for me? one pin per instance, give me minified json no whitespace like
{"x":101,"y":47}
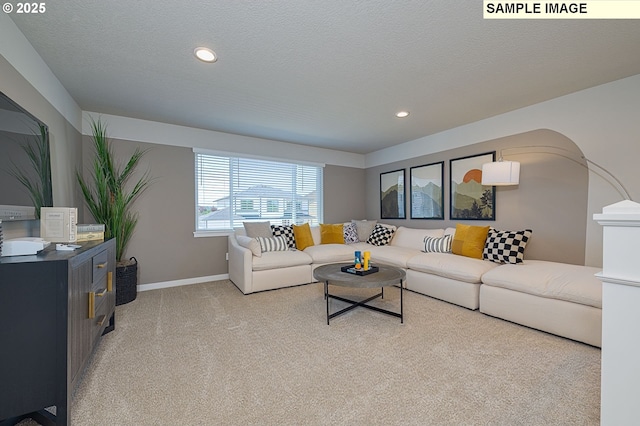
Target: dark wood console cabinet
{"x":54,"y":306}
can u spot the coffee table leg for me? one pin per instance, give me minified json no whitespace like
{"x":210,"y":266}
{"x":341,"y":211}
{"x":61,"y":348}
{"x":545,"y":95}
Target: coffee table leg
{"x":382,"y":292}
{"x":326,"y":296}
{"x":401,"y":305}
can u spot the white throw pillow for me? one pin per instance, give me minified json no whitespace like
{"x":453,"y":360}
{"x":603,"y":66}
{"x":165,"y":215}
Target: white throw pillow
{"x":250,"y":243}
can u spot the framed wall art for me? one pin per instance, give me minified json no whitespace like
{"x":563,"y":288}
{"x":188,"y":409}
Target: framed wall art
{"x":392,"y":195}
{"x":469,"y":198}
{"x":427,"y":191}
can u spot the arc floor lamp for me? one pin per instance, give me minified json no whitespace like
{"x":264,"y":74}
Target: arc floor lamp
{"x":506,"y":173}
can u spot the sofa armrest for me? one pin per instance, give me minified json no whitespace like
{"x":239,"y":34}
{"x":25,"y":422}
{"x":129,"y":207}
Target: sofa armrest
{"x":240,"y":265}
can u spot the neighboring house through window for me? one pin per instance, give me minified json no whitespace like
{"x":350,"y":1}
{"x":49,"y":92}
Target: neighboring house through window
{"x":232,"y":190}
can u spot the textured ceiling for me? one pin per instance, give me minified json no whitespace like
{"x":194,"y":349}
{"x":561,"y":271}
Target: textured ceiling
{"x":323,"y":73}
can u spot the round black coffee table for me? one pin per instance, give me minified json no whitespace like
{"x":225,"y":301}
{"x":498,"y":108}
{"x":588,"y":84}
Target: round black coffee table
{"x":386,"y":276}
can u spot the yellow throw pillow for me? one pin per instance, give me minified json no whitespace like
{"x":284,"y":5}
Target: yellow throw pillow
{"x":469,"y":240}
{"x":302,"y":235}
{"x":331,"y":234}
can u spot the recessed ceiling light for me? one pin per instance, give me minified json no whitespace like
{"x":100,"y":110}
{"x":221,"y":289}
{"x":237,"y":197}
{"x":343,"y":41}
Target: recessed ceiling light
{"x":205,"y":54}
{"x":402,"y":114}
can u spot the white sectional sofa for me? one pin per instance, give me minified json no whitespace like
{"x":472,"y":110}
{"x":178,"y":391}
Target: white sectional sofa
{"x":558,"y":298}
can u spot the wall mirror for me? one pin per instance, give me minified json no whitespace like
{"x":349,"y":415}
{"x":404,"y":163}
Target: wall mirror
{"x":25,"y":163}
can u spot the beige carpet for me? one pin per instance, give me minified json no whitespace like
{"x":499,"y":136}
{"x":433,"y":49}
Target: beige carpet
{"x":207,"y":355}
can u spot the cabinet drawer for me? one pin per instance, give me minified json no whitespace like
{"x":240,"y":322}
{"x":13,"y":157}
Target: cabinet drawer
{"x":104,"y":307}
{"x":100,"y":266}
{"x":100,"y":284}
{"x":104,"y":303}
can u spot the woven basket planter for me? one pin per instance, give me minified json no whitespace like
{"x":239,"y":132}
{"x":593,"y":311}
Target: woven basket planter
{"x":127,"y":282}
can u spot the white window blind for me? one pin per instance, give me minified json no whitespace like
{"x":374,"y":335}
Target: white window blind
{"x":232,"y":190}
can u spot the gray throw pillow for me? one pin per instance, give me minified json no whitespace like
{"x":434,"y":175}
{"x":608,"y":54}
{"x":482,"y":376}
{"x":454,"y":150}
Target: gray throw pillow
{"x":258,"y":229}
{"x":364,"y":228}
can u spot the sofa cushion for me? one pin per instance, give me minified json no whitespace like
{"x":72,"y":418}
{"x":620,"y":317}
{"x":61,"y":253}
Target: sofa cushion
{"x":364,"y":228}
{"x":449,"y":265}
{"x":437,"y":245}
{"x":381,"y":235}
{"x":413,"y":238}
{"x":272,"y":244}
{"x":329,"y":253}
{"x":302,"y":234}
{"x":391,"y":255}
{"x":249,"y":243}
{"x":506,"y":246}
{"x":331,"y":233}
{"x":572,"y":283}
{"x":257,"y":229}
{"x":469,"y":240}
{"x":285,"y":231}
{"x":350,"y":233}
{"x":280,"y":259}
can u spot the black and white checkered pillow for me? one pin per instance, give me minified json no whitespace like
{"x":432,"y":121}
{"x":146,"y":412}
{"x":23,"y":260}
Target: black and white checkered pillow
{"x":285,"y":231}
{"x":381,"y":235}
{"x":506,"y":246}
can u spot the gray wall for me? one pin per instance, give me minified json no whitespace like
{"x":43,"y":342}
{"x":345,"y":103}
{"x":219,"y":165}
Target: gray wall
{"x":551,"y":198}
{"x":344,"y":195}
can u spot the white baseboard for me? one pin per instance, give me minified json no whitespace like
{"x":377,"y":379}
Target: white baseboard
{"x":186,"y":281}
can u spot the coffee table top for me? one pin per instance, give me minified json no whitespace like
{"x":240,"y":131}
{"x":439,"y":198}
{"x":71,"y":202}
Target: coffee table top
{"x":386,"y":276}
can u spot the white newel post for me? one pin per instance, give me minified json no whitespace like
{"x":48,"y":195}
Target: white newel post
{"x":620,"y":386}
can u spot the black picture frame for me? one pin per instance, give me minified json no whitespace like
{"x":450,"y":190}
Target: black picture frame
{"x":427,"y":191}
{"x":469,"y":199}
{"x":392,"y":195}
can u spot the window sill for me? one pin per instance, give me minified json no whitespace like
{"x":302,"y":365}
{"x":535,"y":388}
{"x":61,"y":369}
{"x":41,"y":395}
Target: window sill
{"x":205,"y":234}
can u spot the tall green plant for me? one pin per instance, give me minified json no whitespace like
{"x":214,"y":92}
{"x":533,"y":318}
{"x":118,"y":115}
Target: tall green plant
{"x":107,"y":195}
{"x":38,"y":186}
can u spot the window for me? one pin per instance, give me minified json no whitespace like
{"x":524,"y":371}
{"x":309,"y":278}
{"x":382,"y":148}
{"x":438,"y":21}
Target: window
{"x":246,"y":205}
{"x":232,"y":190}
{"x":273,"y":206}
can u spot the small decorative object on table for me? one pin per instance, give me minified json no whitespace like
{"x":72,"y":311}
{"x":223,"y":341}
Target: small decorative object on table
{"x":90,"y":232}
{"x":351,"y":269}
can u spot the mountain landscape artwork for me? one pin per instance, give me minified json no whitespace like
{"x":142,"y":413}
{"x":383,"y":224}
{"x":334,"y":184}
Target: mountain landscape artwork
{"x":469,"y":198}
{"x":427,"y":191}
{"x":392,"y":195}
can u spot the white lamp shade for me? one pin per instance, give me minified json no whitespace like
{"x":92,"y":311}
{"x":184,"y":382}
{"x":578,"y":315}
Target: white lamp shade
{"x":501,"y":173}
